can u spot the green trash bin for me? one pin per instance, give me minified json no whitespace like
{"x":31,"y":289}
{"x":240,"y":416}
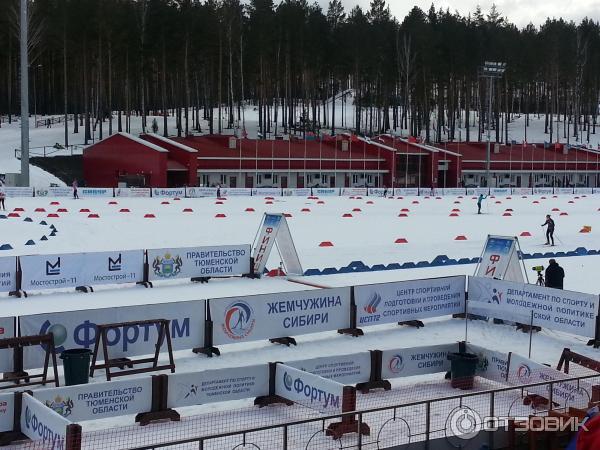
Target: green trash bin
{"x":463,"y":367}
{"x":76,"y":365}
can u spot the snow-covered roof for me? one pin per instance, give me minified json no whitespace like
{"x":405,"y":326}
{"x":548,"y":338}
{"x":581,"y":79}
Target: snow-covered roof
{"x":173,"y":143}
{"x":143,"y":142}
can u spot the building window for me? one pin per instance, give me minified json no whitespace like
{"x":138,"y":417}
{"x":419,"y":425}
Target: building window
{"x":275,"y":179}
{"x":204,"y":180}
{"x":369,"y":179}
{"x":223,"y":179}
{"x":258,"y":178}
{"x":355,"y":178}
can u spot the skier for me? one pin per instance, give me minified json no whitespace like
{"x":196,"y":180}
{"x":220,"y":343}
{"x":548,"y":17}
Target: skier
{"x":479,"y":200}
{"x":2,"y":196}
{"x":75,"y":195}
{"x":549,"y":230}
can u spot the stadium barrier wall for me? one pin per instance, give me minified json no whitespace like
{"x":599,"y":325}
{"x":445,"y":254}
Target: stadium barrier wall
{"x":200,"y":191}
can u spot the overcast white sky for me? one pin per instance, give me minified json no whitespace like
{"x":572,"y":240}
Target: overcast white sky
{"x":519,"y":12}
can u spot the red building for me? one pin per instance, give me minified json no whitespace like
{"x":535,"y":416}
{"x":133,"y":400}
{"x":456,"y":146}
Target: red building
{"x":341,"y":161}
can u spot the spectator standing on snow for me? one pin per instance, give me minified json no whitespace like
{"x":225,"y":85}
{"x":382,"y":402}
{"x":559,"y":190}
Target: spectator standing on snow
{"x":550,"y":230}
{"x":479,"y":200}
{"x":75,"y":194}
{"x":555,"y":275}
{"x":2,"y":196}
{"x":218,"y":190}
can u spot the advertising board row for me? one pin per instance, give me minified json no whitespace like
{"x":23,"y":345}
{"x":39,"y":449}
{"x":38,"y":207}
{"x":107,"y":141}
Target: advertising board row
{"x":64,"y":270}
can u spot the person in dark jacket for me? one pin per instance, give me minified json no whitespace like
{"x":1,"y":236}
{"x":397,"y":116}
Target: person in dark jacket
{"x":479,"y":200}
{"x":550,"y":230}
{"x":554,"y":275}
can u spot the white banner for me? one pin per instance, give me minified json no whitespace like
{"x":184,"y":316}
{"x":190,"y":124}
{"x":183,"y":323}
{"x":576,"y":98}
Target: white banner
{"x":325,"y":192}
{"x":12,"y":191}
{"x":345,"y":369}
{"x":454,"y":191}
{"x":196,"y":192}
{"x":563,"y":191}
{"x":269,"y":228}
{"x":189,"y":262}
{"x":273,"y":192}
{"x":583,"y":190}
{"x":234,"y":192}
{"x":486,"y":191}
{"x":523,"y":370}
{"x":407,"y":362}
{"x":218,"y":385}
{"x":380,"y":192}
{"x":354,"y":191}
{"x":8,"y":274}
{"x":251,"y":318}
{"x":98,"y":400}
{"x":313,"y":391}
{"x":500,"y":191}
{"x":542,"y":191}
{"x":40,"y":423}
{"x":168,"y":192}
{"x":491,"y":365}
{"x":132,"y":192}
{"x":500,"y":255}
{"x":95,"y":192}
{"x":409,"y":300}
{"x":298,"y":192}
{"x":7,"y":411}
{"x":7,"y":330}
{"x":571,"y":312}
{"x":81,"y":269}
{"x":521,"y":191}
{"x":77,"y":329}
{"x":410,"y":192}
{"x":57,"y":191}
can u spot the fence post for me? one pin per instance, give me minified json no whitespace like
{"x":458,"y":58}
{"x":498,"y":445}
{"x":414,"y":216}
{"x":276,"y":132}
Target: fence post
{"x":73,"y":437}
{"x":348,"y":424}
{"x":272,"y":396}
{"x":375,"y":380}
{"x":352,"y":329}
{"x":159,"y":409}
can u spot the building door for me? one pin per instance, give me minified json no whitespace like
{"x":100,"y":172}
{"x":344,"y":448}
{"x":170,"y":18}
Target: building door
{"x":284,"y":181}
{"x":232,"y":182}
{"x":249,"y":181}
{"x":332,"y":181}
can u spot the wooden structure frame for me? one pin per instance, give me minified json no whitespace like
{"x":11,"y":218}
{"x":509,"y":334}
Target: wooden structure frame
{"x":18,"y":376}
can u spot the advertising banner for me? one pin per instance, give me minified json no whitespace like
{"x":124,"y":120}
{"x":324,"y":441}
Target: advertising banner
{"x":7,"y":411}
{"x":500,"y":259}
{"x":251,"y":318}
{"x":8,"y":274}
{"x":486,"y":191}
{"x":81,"y":269}
{"x":12,"y":191}
{"x":563,"y":191}
{"x":410,"y":192}
{"x":557,"y":309}
{"x":521,"y":191}
{"x":219,"y":385}
{"x":312,"y":391}
{"x":77,"y":329}
{"x":584,"y":191}
{"x":325,"y":192}
{"x":189,"y":262}
{"x":523,"y":370}
{"x":132,"y":192}
{"x":455,"y":191}
{"x":274,"y":230}
{"x":40,"y":423}
{"x":491,"y":365}
{"x":500,"y":191}
{"x":197,"y":192}
{"x":542,"y":191}
{"x":7,"y":330}
{"x":95,"y":192}
{"x":380,"y":192}
{"x":409,"y":300}
{"x":407,"y":362}
{"x":98,"y":400}
{"x":234,"y":192}
{"x":274,"y":192}
{"x":168,"y":192}
{"x":55,"y":191}
{"x":298,"y":192}
{"x":345,"y":369}
{"x":353,"y":191}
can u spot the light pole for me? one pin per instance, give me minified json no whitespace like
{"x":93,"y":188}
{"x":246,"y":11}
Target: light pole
{"x":490,"y":70}
{"x":24,"y":178}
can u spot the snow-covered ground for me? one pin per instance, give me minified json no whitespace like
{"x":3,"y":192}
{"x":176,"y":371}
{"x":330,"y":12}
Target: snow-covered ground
{"x":368,"y":236}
